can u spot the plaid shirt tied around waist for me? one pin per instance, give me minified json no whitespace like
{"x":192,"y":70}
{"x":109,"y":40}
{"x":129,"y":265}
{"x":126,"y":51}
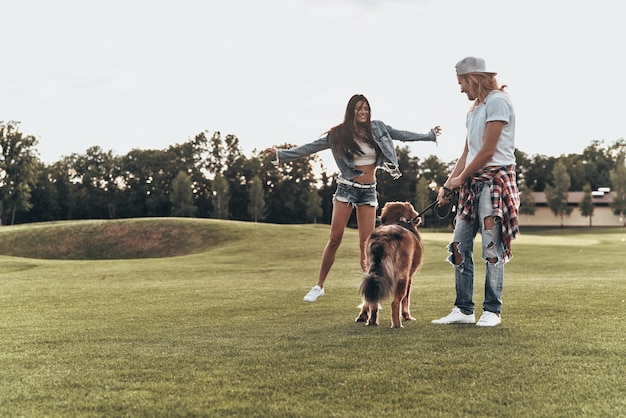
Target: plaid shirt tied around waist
{"x":504,"y":199}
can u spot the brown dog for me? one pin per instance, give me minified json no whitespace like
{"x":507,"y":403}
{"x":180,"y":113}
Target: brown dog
{"x":394,"y":254}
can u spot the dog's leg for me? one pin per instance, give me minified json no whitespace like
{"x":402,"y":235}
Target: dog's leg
{"x":363,"y":314}
{"x":373,"y":318}
{"x":396,"y":304}
{"x":406,"y":303}
{"x":396,"y":322}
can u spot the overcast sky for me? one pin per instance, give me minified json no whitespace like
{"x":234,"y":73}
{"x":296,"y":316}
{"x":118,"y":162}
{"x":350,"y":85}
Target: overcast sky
{"x":124,"y":74}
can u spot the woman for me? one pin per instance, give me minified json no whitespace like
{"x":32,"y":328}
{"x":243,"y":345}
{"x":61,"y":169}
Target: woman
{"x":359,"y":147}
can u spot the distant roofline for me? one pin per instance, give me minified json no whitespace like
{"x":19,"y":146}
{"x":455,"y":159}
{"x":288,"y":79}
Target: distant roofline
{"x":574,"y":198}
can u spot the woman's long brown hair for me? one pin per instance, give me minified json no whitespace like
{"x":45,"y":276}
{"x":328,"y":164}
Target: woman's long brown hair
{"x":342,"y":136}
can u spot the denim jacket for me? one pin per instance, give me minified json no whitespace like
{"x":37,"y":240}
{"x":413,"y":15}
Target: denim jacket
{"x":383,"y":136}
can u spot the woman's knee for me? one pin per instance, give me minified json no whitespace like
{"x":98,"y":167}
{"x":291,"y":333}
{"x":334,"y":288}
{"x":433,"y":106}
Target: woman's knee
{"x":334,"y":241}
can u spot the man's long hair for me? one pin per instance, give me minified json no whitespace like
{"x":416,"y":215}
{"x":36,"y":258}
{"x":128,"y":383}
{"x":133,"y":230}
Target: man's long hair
{"x":481,"y":85}
{"x":342,"y":136}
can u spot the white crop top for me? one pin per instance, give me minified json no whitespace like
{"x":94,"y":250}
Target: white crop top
{"x":369,"y":154}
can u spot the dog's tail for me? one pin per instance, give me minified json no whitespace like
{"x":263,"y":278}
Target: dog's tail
{"x":377,"y":282}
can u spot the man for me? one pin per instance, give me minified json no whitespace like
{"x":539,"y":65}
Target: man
{"x":488,"y":194}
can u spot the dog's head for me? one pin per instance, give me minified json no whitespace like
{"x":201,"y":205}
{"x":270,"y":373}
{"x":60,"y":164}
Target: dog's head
{"x":395,"y":213}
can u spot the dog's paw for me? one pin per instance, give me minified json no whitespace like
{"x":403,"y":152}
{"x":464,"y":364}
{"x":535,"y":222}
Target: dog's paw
{"x":362,"y":316}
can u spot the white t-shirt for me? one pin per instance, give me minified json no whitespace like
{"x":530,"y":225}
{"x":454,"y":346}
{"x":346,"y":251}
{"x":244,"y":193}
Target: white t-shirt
{"x":496,"y":107}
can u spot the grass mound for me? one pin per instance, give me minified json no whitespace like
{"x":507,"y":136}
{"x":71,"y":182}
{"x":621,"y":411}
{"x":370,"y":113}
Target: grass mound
{"x":113,"y":239}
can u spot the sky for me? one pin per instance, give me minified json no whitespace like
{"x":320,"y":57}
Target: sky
{"x":147,"y":74}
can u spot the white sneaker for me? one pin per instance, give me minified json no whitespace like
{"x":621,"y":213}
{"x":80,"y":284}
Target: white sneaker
{"x":489,"y":319}
{"x":313,"y":294}
{"x":456,"y":317}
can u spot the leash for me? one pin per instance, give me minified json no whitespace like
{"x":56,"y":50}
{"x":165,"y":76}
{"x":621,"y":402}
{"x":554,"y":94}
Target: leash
{"x":450,"y":194}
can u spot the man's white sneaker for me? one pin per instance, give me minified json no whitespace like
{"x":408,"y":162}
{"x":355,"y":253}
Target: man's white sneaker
{"x":313,"y":294}
{"x":489,"y":319}
{"x":456,"y":317}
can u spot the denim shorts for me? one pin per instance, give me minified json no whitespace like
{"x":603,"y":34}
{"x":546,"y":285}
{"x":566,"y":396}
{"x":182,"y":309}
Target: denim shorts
{"x":356,"y":196}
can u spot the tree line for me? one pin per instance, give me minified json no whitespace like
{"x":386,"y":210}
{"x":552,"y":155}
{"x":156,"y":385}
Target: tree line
{"x":209,"y":176}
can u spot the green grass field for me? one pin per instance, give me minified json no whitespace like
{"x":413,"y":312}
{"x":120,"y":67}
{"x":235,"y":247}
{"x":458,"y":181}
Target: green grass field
{"x":173,"y":317}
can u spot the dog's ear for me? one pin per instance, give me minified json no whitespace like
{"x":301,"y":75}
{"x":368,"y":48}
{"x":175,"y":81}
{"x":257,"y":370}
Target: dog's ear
{"x":387,"y":214}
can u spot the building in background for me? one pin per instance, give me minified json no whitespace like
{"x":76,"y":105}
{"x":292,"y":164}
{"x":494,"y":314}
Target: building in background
{"x":602,"y":213}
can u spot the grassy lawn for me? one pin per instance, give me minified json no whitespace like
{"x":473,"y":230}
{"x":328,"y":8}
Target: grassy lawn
{"x":215,"y":325}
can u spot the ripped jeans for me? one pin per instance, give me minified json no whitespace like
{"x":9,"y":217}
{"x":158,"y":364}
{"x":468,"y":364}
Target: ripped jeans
{"x":462,"y":254}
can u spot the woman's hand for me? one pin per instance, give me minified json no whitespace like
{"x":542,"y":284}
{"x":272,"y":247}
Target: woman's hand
{"x":270,"y":150}
{"x":437,"y":130}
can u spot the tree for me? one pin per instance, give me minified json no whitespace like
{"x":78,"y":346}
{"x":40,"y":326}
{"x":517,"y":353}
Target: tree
{"x":222,"y":153}
{"x":65,"y":189}
{"x":256,"y":207}
{"x":326,"y":192}
{"x":422,"y":195}
{"x":44,"y":197}
{"x":17,"y":170}
{"x":96,"y":175}
{"x":578,"y":169}
{"x":221,"y":197}
{"x":539,"y":172}
{"x":226,"y":158}
{"x":182,"y":196}
{"x":146,"y":178}
{"x":192,"y":157}
{"x":618,"y":182}
{"x":586,"y":203}
{"x":313,"y":206}
{"x":288,"y":186}
{"x":527,"y":202}
{"x":403,"y":188}
{"x":597,"y":163}
{"x":616,"y":149}
{"x":432,"y":174}
{"x":435,"y":171}
{"x":240,"y":174}
{"x":556,"y":195}
{"x":522,"y":165}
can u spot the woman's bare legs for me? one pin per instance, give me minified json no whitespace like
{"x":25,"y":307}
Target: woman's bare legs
{"x":340,"y":217}
{"x":366,"y":219}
